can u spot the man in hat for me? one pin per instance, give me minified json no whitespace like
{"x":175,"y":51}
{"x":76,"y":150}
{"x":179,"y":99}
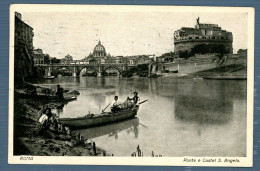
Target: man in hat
{"x":135,"y":98}
{"x":59,"y":92}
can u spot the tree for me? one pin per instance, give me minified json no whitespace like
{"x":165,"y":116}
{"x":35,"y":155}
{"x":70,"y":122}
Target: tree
{"x":46,"y":58}
{"x":184,"y":54}
{"x":55,"y":60}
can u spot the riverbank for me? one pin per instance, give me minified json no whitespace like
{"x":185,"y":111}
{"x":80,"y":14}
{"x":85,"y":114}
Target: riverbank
{"x":30,"y":139}
{"x":229,"y":72}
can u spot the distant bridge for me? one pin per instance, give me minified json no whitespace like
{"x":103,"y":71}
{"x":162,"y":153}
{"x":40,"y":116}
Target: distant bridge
{"x":75,"y":69}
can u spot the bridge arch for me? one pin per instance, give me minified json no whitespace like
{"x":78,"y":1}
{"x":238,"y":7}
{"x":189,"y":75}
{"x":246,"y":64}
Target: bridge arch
{"x":56,"y":70}
{"x":88,"y":68}
{"x":113,"y":67}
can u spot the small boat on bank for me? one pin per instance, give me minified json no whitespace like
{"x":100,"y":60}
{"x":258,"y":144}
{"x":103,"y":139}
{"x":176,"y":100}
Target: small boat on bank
{"x":49,"y":77}
{"x":51,"y":96}
{"x":152,"y":76}
{"x":104,"y":118}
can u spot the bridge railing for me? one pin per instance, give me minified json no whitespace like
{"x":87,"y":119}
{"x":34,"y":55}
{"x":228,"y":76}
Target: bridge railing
{"x":78,"y":64}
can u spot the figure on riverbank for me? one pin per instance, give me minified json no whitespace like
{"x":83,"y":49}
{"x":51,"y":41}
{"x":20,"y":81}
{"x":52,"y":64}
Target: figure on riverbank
{"x":48,"y":119}
{"x":59,"y":92}
{"x":115,"y":105}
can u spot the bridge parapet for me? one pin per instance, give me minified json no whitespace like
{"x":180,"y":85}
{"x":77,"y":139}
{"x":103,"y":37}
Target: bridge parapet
{"x":96,"y":65}
{"x":52,"y":69}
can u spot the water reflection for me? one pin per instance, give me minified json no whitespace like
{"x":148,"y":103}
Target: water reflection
{"x":112,"y":130}
{"x":203,"y":110}
{"x":183,"y":117}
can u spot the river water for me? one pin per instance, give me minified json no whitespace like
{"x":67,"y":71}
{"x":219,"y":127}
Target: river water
{"x":183,"y":117}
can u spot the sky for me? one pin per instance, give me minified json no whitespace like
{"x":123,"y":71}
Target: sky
{"x":123,"y":33}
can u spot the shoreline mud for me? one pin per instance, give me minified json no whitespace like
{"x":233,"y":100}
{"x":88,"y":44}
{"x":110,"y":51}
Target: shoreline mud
{"x":30,"y":139}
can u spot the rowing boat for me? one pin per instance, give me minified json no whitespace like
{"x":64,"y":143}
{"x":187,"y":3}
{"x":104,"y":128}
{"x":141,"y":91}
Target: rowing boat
{"x":110,"y":129}
{"x":104,"y":118}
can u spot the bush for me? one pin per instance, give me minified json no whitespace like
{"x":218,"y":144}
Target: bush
{"x":139,"y":70}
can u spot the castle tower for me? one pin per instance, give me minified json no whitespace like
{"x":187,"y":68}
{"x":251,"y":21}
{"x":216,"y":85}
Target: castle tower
{"x":210,"y":34}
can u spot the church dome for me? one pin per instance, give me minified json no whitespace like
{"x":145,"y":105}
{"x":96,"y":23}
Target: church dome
{"x":99,"y":50}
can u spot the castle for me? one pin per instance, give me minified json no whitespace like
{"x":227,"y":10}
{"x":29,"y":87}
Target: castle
{"x":209,"y":34}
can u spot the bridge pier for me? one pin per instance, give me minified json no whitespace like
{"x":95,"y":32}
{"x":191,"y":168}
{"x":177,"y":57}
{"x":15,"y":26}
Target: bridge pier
{"x":48,"y":74}
{"x":149,"y":69}
{"x":99,"y":71}
{"x":74,"y":74}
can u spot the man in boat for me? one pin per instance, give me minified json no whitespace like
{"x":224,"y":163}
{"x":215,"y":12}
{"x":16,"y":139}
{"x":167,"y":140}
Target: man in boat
{"x":59,"y":92}
{"x":115,"y":105}
{"x":135,"y":98}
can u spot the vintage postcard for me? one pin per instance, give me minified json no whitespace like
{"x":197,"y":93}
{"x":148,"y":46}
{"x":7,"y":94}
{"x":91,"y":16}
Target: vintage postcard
{"x":131,"y":85}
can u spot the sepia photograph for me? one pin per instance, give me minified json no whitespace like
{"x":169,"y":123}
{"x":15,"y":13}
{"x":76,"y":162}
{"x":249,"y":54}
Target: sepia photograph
{"x":131,"y":85}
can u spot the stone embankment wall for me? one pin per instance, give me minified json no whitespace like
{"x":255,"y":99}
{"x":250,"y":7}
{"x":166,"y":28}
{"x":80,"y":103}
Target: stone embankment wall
{"x":193,"y":65}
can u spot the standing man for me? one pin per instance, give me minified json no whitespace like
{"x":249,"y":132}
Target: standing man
{"x":59,"y":92}
{"x":135,"y":98}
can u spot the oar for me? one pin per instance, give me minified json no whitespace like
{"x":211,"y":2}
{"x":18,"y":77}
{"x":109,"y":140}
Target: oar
{"x":142,"y":125}
{"x":105,"y":108}
{"x":142,"y":102}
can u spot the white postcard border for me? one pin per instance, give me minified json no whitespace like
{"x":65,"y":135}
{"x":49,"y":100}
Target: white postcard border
{"x":165,"y":161}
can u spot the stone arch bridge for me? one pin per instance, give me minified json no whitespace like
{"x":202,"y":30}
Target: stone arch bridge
{"x":53,"y":69}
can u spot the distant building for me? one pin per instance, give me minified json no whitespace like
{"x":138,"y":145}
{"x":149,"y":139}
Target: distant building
{"x":99,"y":51}
{"x":242,"y":53}
{"x":139,"y":59}
{"x":23,"y":33}
{"x":38,"y":56}
{"x":67,"y":59}
{"x":93,"y":62}
{"x":133,"y":61}
{"x":209,"y":34}
{"x":99,"y":55}
{"x":23,"y":50}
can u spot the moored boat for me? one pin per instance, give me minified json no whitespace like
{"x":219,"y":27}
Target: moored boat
{"x":49,"y":77}
{"x":92,"y":120}
{"x":50,"y":96}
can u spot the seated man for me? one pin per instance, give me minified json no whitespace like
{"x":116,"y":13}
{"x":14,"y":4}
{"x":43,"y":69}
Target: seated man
{"x":48,"y":119}
{"x":115,"y":105}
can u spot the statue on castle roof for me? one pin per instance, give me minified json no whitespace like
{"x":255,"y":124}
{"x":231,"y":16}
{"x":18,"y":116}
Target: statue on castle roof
{"x":198,"y":20}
